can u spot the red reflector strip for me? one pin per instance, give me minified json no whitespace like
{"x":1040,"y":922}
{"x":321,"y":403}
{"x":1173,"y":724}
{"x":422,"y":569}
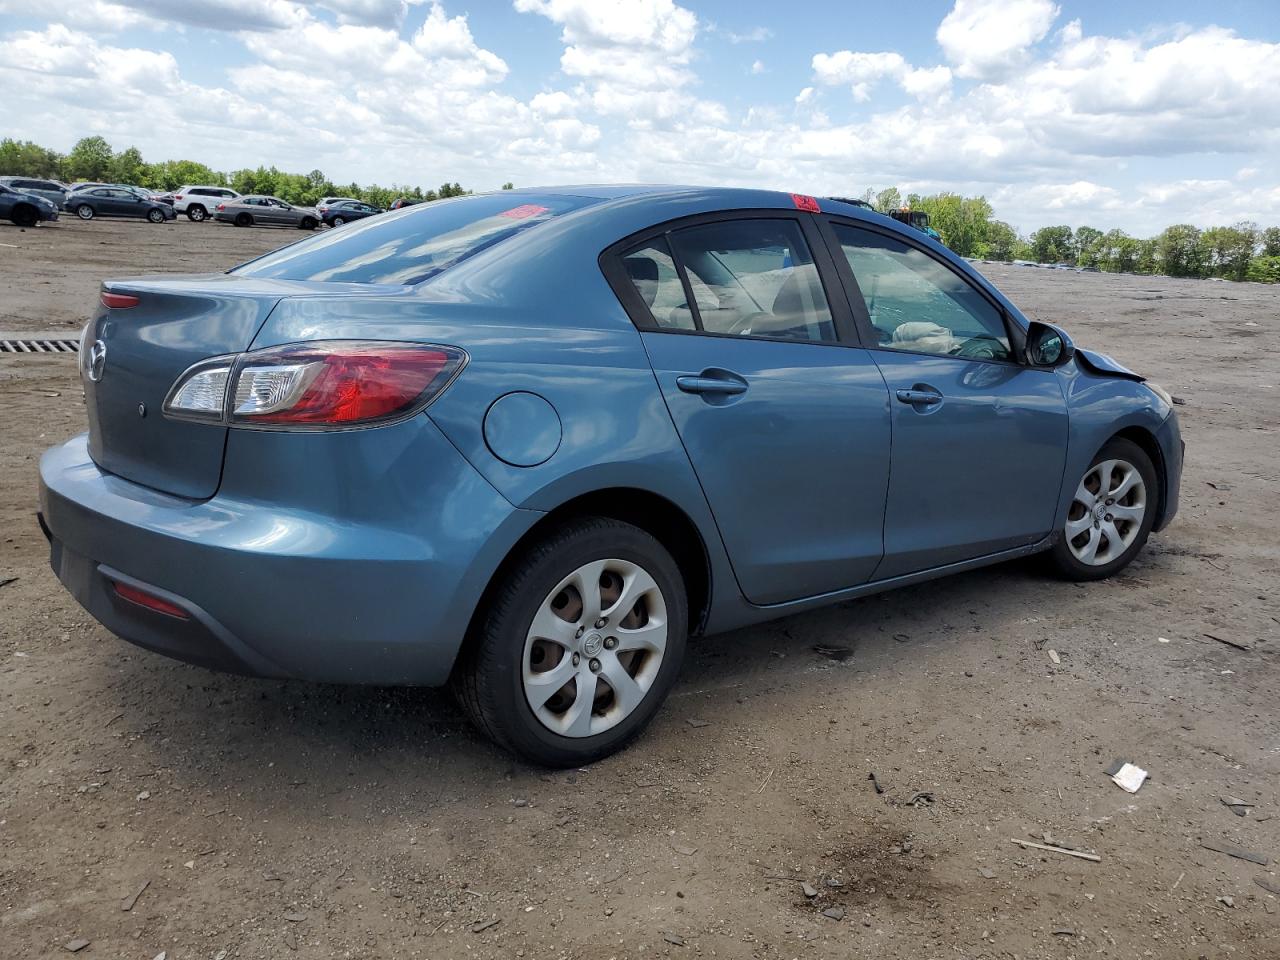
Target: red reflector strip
{"x":524,"y":211}
{"x":805,"y":203}
{"x":150,"y":601}
{"x":118,"y":301}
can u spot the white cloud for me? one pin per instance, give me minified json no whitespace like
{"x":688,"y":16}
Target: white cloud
{"x":754,"y":35}
{"x":989,"y":39}
{"x":758,"y":67}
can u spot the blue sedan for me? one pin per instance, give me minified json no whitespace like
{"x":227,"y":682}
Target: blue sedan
{"x":527,"y":443}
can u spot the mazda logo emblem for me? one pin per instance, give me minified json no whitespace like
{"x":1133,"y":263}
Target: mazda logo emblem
{"x":97,"y":360}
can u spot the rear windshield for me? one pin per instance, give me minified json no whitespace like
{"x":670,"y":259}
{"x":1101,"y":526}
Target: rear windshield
{"x":410,"y":245}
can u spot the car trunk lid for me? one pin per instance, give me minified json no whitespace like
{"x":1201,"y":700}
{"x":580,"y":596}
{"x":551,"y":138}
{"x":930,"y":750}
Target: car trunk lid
{"x":133,"y":355}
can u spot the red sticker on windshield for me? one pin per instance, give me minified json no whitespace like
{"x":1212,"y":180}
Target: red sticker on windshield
{"x":802,"y":202}
{"x":524,"y":211}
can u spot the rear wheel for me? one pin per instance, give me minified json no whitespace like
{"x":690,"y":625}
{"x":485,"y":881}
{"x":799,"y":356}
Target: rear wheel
{"x":155,"y":216}
{"x":196,"y":212}
{"x":337,"y":221}
{"x":243,"y":220}
{"x":308,"y":223}
{"x":579,"y":645}
{"x":24,"y":215}
{"x":84,"y":212}
{"x":1111,"y":513}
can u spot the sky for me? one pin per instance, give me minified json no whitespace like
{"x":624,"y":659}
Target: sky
{"x":1113,"y":114}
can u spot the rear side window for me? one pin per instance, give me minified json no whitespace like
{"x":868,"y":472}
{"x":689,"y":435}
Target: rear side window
{"x":414,"y":244}
{"x":653,"y":273}
{"x":754,"y":278}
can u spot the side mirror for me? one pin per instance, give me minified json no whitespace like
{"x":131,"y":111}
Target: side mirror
{"x":1047,"y":345}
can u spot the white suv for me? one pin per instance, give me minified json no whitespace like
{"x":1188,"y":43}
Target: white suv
{"x":199,"y":202}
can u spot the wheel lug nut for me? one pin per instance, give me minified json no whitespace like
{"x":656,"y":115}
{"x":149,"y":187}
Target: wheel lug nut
{"x":601,"y":622}
{"x":595,"y":665}
{"x":576,"y":659}
{"x":610,"y":642}
{"x":1109,"y":518}
{"x":581,"y":631}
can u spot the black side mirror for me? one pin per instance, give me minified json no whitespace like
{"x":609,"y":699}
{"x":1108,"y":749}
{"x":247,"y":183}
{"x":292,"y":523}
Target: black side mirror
{"x":1047,"y":345}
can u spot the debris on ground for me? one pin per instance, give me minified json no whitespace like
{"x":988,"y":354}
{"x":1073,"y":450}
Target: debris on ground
{"x":1053,"y":655}
{"x":1268,"y":885}
{"x":1127,"y":776}
{"x":696,"y":722}
{"x":1063,"y":932}
{"x":1231,"y":850}
{"x":1226,"y":901}
{"x":1237,"y":806}
{"x":839,"y":654}
{"x":986,"y":873}
{"x":1092,"y":857}
{"x":129,"y":902}
{"x":295,"y":917}
{"x":834,"y":913}
{"x":5,"y":581}
{"x":874,"y":782}
{"x":76,"y":945}
{"x":921,"y":798}
{"x":683,"y":850}
{"x":1230,"y":643}
{"x":484,"y":925}
{"x":674,"y":938}
{"x":808,"y":889}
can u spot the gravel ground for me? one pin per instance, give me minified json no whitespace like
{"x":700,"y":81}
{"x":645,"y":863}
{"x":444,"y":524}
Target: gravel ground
{"x":269,"y":819}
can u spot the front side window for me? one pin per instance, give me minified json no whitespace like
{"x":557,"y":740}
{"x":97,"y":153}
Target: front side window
{"x":754,"y":278}
{"x":916,"y":303}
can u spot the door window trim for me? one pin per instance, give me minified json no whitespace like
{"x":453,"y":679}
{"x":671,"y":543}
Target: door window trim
{"x":858,"y":304}
{"x":842,"y":319}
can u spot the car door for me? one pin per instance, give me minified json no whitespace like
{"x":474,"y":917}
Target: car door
{"x":785,"y":419}
{"x":979,"y":438}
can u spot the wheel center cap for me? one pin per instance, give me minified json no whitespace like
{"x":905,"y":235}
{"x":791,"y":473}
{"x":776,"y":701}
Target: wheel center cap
{"x":593,"y":644}
{"x":1099,"y":510}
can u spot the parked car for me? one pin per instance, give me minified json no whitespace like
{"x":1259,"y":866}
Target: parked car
{"x":258,"y":210}
{"x":344,"y":211}
{"x":526,"y":443}
{"x":117,"y":202}
{"x":329,"y":201}
{"x":51,"y":190}
{"x":198,"y":202}
{"x":25,"y":209}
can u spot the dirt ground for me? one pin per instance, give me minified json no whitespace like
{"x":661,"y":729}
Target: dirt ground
{"x":264,"y":819}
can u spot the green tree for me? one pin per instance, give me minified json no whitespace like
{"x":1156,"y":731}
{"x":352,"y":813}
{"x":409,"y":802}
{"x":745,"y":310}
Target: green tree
{"x":1227,"y":251}
{"x":887,"y":199}
{"x":1088,"y":244}
{"x":508,"y":185}
{"x":1264,"y":269}
{"x":22,"y":158}
{"x":127,"y":166}
{"x":1179,"y":252}
{"x":1271,"y":242}
{"x":1053,"y":245}
{"x":1117,"y":252}
{"x":999,"y":242}
{"x":1148,"y":256}
{"x":89,"y":159}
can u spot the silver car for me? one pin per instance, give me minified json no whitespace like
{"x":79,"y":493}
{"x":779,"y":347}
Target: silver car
{"x":260,"y":210}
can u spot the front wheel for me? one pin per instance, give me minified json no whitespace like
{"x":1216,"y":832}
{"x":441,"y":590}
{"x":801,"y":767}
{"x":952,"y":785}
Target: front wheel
{"x":196,"y":212}
{"x":1111,"y":513}
{"x":24,"y":215}
{"x":579,"y":644}
{"x":308,"y":223}
{"x":155,"y":216}
{"x":84,"y":212}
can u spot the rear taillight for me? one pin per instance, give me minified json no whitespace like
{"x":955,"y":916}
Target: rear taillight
{"x":118,"y":301}
{"x":321,"y":385}
{"x":222,"y":206}
{"x":177,"y":196}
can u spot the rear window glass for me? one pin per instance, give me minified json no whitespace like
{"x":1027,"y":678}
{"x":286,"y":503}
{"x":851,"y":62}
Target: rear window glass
{"x":411,"y":245}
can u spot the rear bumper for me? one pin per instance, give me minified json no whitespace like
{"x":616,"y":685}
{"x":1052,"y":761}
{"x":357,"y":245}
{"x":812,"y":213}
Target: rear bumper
{"x":379,"y":592}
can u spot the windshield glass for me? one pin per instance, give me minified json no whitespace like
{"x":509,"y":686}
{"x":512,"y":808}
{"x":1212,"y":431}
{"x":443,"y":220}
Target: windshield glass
{"x":412,"y":245}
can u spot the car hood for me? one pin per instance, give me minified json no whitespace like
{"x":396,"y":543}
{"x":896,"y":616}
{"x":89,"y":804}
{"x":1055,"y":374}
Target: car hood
{"x":1105,"y":365}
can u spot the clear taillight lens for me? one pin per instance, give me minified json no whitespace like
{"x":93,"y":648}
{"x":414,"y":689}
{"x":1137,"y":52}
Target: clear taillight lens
{"x":324,"y":384}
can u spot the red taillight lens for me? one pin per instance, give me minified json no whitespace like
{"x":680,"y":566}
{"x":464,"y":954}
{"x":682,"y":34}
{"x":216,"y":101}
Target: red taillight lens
{"x":338,"y":383}
{"x":222,"y":206}
{"x":118,"y":301}
{"x":149,"y":600}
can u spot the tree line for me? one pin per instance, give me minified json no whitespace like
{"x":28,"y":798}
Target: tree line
{"x":967,"y":225}
{"x":92,"y":158}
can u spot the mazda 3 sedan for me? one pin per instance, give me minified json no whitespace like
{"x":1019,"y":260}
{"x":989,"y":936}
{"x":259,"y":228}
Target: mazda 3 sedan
{"x":527,"y":443}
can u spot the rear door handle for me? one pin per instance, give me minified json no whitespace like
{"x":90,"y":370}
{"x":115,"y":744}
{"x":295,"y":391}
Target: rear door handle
{"x":721,"y":383}
{"x":920,"y":394}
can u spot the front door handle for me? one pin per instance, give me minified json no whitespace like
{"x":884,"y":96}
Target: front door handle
{"x":715,"y":382}
{"x":920,"y":394}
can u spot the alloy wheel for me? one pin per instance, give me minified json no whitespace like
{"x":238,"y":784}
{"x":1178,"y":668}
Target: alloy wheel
{"x":594,"y":647}
{"x":1106,"y":512}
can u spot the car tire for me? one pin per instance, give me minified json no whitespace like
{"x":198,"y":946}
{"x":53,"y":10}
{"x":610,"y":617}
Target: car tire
{"x":84,"y":211}
{"x":197,"y":213}
{"x":1094,"y":521}
{"x":308,"y":223}
{"x":24,"y":215}
{"x":155,"y":216}
{"x":243,"y":220}
{"x":337,"y":222}
{"x":494,"y":680}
